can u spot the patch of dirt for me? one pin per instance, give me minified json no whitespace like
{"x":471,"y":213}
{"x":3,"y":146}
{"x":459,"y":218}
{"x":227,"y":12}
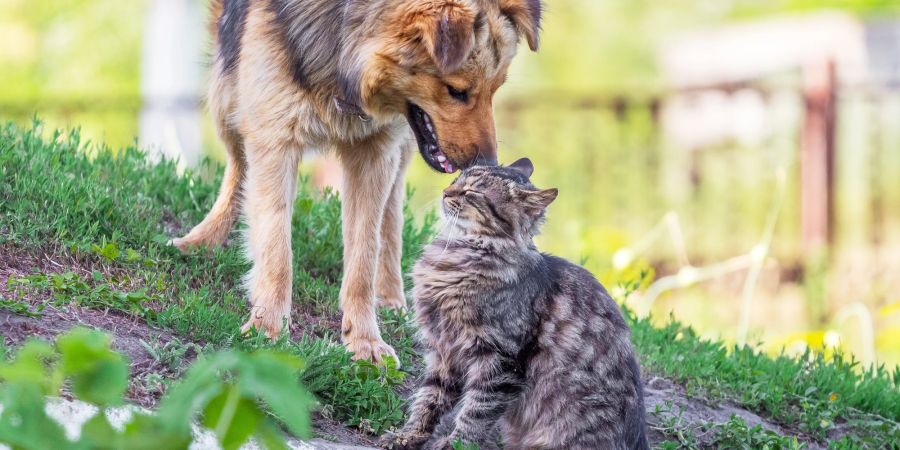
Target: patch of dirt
{"x":333,"y":431}
{"x":129,"y":336}
{"x":305,"y":321}
{"x":666,"y":403}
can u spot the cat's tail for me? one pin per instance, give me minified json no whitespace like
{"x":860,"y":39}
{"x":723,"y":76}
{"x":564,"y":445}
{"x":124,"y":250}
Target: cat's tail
{"x":635,"y":425}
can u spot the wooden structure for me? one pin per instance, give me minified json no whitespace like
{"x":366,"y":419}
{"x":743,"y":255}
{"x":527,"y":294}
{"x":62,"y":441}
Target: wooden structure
{"x":817,"y":152}
{"x":827,"y":50}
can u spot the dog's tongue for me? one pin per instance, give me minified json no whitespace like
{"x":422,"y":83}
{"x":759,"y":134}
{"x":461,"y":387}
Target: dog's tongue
{"x":441,"y":158}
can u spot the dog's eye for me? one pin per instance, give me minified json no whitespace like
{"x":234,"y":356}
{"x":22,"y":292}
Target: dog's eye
{"x":462,"y":96}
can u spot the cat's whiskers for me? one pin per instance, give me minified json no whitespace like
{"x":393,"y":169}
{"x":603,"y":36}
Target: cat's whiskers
{"x":445,"y":223}
{"x":452,"y":229}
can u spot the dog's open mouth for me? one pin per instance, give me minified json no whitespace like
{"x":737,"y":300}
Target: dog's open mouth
{"x":426,"y":136}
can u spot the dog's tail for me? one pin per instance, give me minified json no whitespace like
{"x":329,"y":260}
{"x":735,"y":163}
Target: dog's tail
{"x":216,"y":9}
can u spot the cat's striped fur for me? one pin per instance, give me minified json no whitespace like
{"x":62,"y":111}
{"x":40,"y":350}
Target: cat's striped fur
{"x":524,"y":348}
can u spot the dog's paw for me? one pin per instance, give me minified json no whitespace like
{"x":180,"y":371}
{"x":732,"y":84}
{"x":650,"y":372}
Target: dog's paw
{"x":267,"y":321}
{"x":369,"y":348}
{"x":182,"y":244}
{"x":402,"y":440}
{"x":392,"y":302}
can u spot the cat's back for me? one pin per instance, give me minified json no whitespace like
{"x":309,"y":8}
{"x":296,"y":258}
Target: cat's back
{"x":578,"y":295}
{"x":583,"y":368}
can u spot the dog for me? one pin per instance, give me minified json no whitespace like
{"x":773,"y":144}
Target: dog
{"x":370,"y":80}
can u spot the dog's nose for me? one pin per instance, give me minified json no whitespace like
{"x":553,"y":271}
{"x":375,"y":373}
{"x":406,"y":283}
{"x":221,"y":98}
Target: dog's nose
{"x":485,"y":150}
{"x":485,"y":160}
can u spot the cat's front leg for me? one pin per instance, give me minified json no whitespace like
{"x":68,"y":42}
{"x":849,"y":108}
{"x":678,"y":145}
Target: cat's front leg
{"x":437,"y":395}
{"x":491,"y":386}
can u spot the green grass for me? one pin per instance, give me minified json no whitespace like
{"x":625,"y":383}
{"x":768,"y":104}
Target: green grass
{"x":113,"y":212}
{"x":813,"y":394}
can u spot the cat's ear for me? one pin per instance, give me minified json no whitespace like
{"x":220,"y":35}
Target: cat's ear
{"x":524,"y":166}
{"x":542,"y":199}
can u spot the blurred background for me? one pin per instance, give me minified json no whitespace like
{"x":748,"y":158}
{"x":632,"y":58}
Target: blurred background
{"x":737,"y":160}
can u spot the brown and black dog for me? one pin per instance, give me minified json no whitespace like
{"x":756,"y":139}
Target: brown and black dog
{"x":352,"y":76}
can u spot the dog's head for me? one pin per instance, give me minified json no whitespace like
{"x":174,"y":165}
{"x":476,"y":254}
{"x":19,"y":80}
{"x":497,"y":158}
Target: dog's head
{"x":439,"y":63}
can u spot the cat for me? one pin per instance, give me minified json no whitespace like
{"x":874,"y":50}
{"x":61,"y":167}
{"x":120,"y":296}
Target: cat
{"x":523,"y":348}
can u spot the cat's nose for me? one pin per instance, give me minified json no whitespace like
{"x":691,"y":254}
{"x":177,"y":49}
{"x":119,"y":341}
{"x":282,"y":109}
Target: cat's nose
{"x":453,"y":191}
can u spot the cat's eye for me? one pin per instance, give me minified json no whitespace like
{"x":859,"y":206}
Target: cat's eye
{"x":461,"y":95}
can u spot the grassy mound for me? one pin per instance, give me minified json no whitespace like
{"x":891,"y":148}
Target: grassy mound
{"x":109,"y":214}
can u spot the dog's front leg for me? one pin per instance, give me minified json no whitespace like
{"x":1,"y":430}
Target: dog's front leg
{"x":269,"y":199}
{"x":389,"y":278}
{"x":370,"y":169}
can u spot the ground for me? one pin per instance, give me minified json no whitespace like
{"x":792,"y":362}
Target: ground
{"x":83,"y":234}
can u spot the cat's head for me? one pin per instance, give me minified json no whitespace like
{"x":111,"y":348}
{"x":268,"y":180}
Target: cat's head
{"x":496,"y":201}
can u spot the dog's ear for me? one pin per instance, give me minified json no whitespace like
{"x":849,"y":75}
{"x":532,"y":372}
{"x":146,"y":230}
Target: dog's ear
{"x":449,"y":34}
{"x":526,"y":15}
{"x":359,"y":76}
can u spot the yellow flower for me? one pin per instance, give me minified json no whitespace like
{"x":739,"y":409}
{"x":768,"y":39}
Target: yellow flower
{"x":832,"y":397}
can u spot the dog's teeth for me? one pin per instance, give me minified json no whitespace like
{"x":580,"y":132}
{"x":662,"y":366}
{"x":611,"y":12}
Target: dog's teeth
{"x":428,"y":125}
{"x":441,"y":158}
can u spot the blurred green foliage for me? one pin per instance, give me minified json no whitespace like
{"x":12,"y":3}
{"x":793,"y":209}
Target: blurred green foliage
{"x":228,"y":389}
{"x":73,"y":62}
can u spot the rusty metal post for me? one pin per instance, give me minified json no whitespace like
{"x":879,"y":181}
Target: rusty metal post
{"x":817,"y":152}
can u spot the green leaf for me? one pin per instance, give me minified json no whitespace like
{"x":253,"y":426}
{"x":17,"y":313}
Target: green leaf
{"x":81,"y":348}
{"x":145,"y":432}
{"x":31,"y":364}
{"x":199,"y":386}
{"x":99,"y":375}
{"x":233,"y":418}
{"x":104,"y":385}
{"x":24,"y":423}
{"x":274,"y":379}
{"x":269,"y":436}
{"x":132,"y":255}
{"x":110,"y":251}
{"x":97,"y":433}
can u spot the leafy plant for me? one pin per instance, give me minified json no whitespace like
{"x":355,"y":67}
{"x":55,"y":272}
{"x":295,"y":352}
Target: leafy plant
{"x":20,"y":308}
{"x":238,"y":395}
{"x":69,"y":287}
{"x":172,"y":353}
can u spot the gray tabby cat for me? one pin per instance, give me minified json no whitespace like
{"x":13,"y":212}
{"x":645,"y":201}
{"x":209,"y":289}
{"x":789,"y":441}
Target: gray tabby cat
{"x":523,"y":348}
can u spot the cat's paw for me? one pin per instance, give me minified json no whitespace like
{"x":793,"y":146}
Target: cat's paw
{"x":402,"y":440}
{"x":443,"y":443}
